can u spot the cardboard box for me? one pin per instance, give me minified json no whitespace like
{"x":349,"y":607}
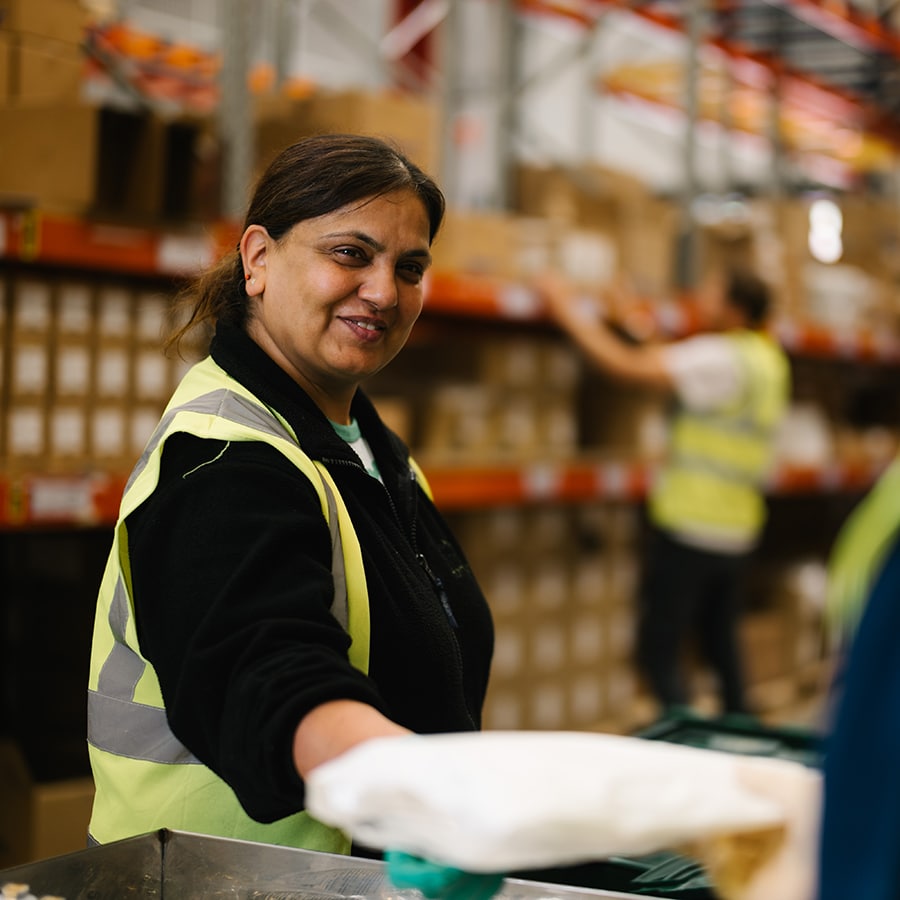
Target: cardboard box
{"x":566,"y":196}
{"x":114,"y":314}
{"x":31,"y":315}
{"x":589,"y":257}
{"x":4,"y":378}
{"x":151,"y":319}
{"x":397,"y":414}
{"x":457,"y":425}
{"x":504,"y":586}
{"x":504,"y":708}
{"x":631,"y":229}
{"x":549,"y":588}
{"x":152,"y":376}
{"x":141,"y":424}
{"x":74,"y":310}
{"x":5,"y":67}
{"x":64,"y":20}
{"x":587,"y":700}
{"x":73,"y":364}
{"x":109,"y":442}
{"x":548,"y":704}
{"x":26,"y":434}
{"x":621,"y":421}
{"x":477,"y":243}
{"x":183,"y":156}
{"x":29,"y":369}
{"x":43,"y":69}
{"x":41,"y":819}
{"x":73,"y":157}
{"x":767,"y":647}
{"x":647,"y":238}
{"x":67,"y":433}
{"x":113,"y":373}
{"x":588,"y":639}
{"x":410,"y":122}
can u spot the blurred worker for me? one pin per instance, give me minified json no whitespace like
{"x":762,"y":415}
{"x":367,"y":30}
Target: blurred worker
{"x":706,"y":507}
{"x":860,"y":845}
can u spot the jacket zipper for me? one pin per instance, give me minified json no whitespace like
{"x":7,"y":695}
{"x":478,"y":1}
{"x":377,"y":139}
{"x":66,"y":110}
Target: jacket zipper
{"x":436,"y":581}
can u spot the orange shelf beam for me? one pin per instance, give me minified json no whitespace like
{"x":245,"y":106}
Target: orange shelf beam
{"x":46,"y":500}
{"x":481,"y":296}
{"x":92,"y":500}
{"x":35,"y":236}
{"x":458,"y":487}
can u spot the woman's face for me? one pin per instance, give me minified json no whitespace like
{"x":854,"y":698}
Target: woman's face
{"x":334,"y":300}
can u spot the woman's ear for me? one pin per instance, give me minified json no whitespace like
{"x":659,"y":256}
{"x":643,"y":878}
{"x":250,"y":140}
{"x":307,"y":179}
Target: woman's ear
{"x":254,"y":248}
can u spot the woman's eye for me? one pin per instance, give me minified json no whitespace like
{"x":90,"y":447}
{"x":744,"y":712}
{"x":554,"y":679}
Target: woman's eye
{"x":352,"y":254}
{"x":412,"y":271}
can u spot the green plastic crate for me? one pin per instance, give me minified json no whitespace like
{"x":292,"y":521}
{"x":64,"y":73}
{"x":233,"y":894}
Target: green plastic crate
{"x":741,"y":735}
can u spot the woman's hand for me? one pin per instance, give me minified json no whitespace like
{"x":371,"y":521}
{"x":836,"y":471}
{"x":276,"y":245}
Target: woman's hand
{"x":335,"y":727}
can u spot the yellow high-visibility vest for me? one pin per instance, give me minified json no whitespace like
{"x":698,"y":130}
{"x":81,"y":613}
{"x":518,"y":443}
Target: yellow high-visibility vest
{"x":859,"y":553}
{"x":711,"y":485}
{"x":145,"y":778}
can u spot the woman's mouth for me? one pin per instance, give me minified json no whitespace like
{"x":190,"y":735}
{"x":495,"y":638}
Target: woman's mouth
{"x":365,"y":329}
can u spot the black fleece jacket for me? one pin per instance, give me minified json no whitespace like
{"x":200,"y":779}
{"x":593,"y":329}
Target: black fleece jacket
{"x":230,"y":561}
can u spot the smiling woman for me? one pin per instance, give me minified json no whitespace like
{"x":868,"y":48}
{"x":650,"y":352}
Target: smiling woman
{"x":334,"y":300}
{"x":280,"y":586}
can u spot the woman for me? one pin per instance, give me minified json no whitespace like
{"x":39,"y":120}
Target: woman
{"x":281,"y":586}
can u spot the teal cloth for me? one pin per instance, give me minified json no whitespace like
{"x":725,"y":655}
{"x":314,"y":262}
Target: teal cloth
{"x":439,"y":882}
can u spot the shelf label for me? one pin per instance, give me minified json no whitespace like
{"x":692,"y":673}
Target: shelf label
{"x":830,"y":478}
{"x":672,"y":318}
{"x":612,"y":480}
{"x":847,"y":344}
{"x":55,"y":499}
{"x":541,"y":481}
{"x":788,"y":334}
{"x":518,"y":301}
{"x":180,"y":253}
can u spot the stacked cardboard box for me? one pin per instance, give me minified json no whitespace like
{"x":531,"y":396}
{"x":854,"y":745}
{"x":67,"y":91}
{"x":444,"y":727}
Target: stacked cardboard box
{"x":559,"y":583}
{"x":40,"y":45}
{"x":77,"y":157}
{"x":88,"y":378}
{"x":41,"y":818}
{"x":512,"y":399}
{"x":74,"y":155}
{"x":619,"y":223}
{"x":410,"y":122}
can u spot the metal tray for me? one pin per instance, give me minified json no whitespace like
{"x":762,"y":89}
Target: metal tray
{"x":176,"y":865}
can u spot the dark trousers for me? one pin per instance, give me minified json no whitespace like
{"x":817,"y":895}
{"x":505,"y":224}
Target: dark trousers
{"x":688,"y":592}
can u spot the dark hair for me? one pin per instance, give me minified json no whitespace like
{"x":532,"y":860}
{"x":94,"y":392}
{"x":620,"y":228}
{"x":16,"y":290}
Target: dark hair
{"x":310,"y":178}
{"x":750,"y":294}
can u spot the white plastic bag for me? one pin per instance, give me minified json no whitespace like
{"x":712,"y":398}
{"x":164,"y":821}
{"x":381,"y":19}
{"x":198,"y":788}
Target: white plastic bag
{"x":508,"y":800}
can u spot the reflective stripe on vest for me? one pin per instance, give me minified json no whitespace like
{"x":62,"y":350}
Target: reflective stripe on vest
{"x":711,"y":484}
{"x":129,"y":738}
{"x":859,"y":553}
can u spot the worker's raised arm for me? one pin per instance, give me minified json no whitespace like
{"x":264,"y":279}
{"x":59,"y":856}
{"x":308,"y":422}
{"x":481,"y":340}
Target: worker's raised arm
{"x":638,"y":364}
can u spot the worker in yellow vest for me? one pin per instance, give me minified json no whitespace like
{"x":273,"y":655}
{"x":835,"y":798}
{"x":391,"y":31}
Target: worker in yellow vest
{"x":706,"y":508}
{"x":860,"y":834}
{"x":281,"y":586}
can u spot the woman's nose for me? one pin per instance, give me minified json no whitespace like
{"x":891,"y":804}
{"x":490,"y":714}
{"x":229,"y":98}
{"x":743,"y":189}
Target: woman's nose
{"x":379,"y":287}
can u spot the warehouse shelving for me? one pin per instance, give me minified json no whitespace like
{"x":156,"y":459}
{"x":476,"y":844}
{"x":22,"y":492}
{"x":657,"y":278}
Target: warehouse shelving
{"x":45,"y":239}
{"x":35,"y":499}
{"x":39,"y":238}
{"x":79,"y":503}
{"x":841,"y":22}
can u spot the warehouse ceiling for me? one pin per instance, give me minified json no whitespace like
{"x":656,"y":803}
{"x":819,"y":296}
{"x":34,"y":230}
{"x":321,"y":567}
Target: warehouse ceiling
{"x":845,"y":47}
